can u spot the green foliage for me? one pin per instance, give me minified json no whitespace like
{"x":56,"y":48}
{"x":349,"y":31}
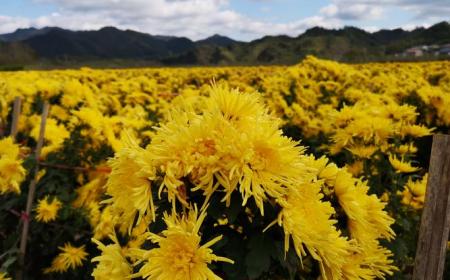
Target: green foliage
{"x":71,"y":224}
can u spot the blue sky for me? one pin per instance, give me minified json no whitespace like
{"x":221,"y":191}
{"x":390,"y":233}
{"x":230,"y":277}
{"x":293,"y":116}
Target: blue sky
{"x":240,"y":19}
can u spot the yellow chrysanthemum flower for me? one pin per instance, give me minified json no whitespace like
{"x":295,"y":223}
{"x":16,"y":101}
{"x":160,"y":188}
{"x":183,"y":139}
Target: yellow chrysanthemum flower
{"x":12,"y":173}
{"x":129,"y":184}
{"x":105,"y":226}
{"x":307,"y":220}
{"x":234,"y":105}
{"x":406,"y":148}
{"x":180,"y":255}
{"x":47,"y":211}
{"x":413,"y":193}
{"x":270,"y":163}
{"x":364,"y":211}
{"x":401,"y":166}
{"x":370,"y":261}
{"x":363,"y":151}
{"x":366,"y":220}
{"x":4,"y":276}
{"x":416,"y":130}
{"x":356,"y":168}
{"x":55,"y":134}
{"x":90,"y":192}
{"x":187,"y":145}
{"x":112,"y":264}
{"x":69,"y":258}
{"x":222,"y":144}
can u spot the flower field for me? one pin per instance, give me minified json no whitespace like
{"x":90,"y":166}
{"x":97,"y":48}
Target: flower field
{"x":311,"y":171}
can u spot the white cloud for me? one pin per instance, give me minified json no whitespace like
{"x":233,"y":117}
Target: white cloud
{"x":200,"y":18}
{"x":191,"y":18}
{"x":11,"y":23}
{"x":371,"y":28}
{"x":420,"y":10}
{"x":352,"y":11}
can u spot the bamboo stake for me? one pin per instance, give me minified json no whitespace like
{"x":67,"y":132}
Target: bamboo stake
{"x":435,"y":221}
{"x":31,"y":192}
{"x":2,"y":128}
{"x":15,"y":117}
{"x":76,"y":168}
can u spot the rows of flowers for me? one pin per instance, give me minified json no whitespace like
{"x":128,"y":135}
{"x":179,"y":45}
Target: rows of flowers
{"x":311,"y":171}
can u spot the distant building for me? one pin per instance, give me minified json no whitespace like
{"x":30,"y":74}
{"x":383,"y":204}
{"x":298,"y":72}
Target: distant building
{"x":434,"y":47}
{"x":419,"y":51}
{"x":445,"y":50}
{"x":414,"y":51}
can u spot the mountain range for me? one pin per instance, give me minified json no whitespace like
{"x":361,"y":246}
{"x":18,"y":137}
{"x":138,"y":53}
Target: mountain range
{"x":53,"y":45}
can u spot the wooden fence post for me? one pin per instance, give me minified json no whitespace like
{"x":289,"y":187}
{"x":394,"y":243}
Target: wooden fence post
{"x":31,"y":192}
{"x":435,"y":221}
{"x":15,"y":117}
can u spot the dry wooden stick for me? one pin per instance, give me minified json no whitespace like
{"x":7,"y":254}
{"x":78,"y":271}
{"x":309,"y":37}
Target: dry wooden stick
{"x":31,"y":192}
{"x":76,"y":168}
{"x":15,"y":117}
{"x":435,"y":221}
{"x":2,"y":128}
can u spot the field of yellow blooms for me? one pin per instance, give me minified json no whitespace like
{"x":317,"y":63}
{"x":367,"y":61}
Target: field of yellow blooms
{"x":311,"y":171}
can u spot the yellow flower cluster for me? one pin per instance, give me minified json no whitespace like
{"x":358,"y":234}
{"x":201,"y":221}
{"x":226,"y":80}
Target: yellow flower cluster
{"x":4,"y":276}
{"x":180,"y":255}
{"x":47,"y":211}
{"x":413,"y":193}
{"x":228,"y":142}
{"x":364,"y":109}
{"x":70,"y":258}
{"x":235,"y":145}
{"x":11,"y":171}
{"x":112,"y":263}
{"x":361,"y":257}
{"x":401,"y":166}
{"x":360,"y":106}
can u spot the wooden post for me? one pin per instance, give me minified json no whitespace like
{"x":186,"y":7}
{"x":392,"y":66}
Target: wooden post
{"x":15,"y":117}
{"x":31,"y":192}
{"x":435,"y":221}
{"x":2,"y":128}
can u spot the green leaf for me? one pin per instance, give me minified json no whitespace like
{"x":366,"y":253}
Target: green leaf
{"x":235,"y":207}
{"x":234,"y":251}
{"x":257,"y":260}
{"x":216,"y":207}
{"x":9,"y":261}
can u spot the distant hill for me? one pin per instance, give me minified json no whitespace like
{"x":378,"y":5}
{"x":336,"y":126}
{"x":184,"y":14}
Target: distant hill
{"x":56,"y":45}
{"x":53,"y":43}
{"x":217,"y":40}
{"x":436,"y":34}
{"x":348,"y":44}
{"x":25,"y":33}
{"x":15,"y":53}
{"x":106,"y":43}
